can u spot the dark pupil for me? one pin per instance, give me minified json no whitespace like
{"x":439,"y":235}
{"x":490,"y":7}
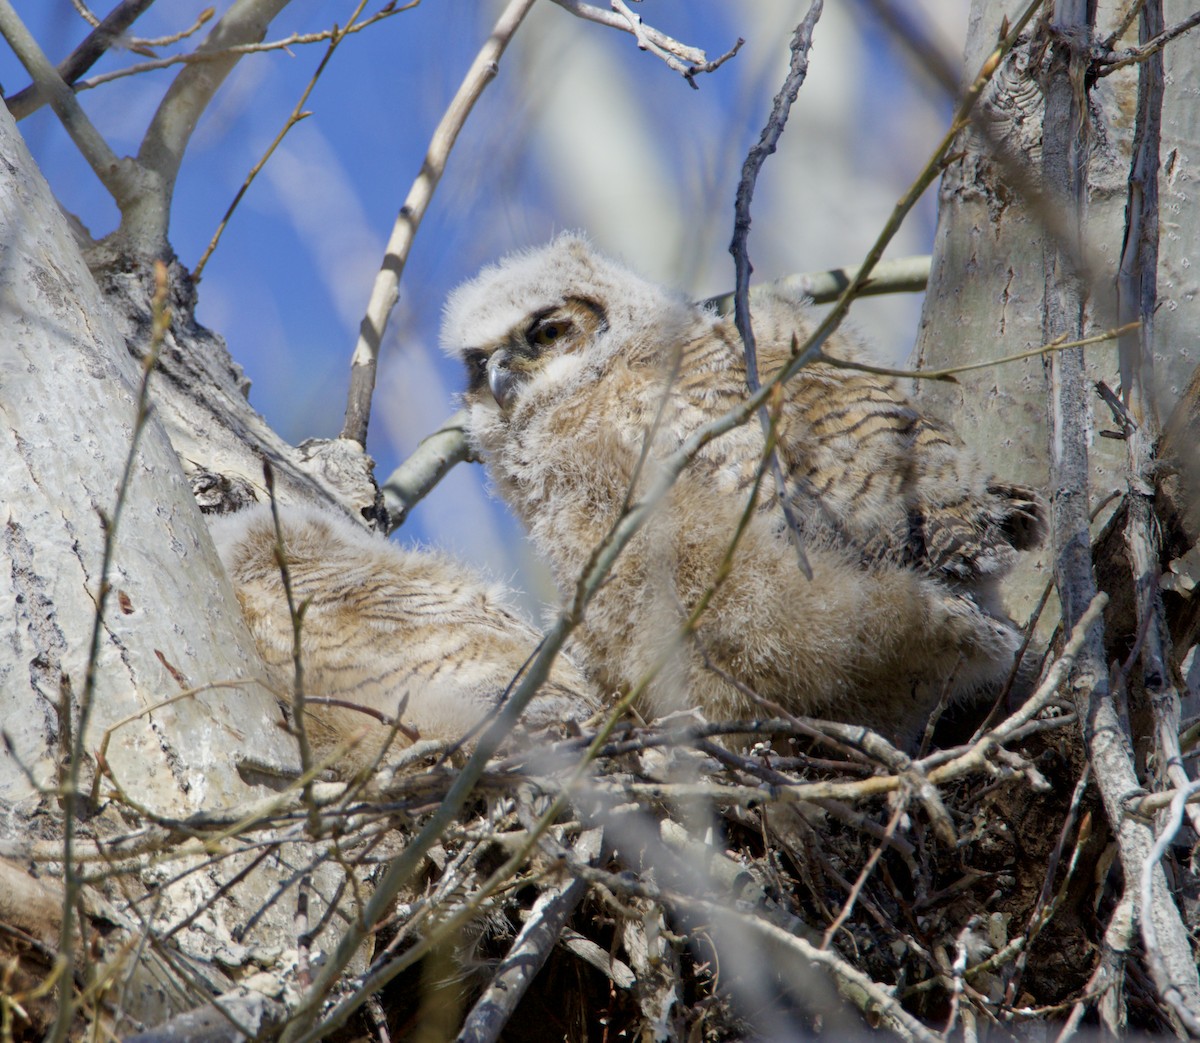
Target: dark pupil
{"x":549,"y":332}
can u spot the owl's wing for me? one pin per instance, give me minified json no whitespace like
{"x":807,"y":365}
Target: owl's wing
{"x":864,"y":467}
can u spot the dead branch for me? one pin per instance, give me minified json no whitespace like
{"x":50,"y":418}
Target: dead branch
{"x":1105,"y":732}
{"x":385,"y":291}
{"x":687,"y":61}
{"x":26,"y":102}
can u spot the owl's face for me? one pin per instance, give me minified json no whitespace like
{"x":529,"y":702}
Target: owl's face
{"x":553,"y":337}
{"x":541,"y":324}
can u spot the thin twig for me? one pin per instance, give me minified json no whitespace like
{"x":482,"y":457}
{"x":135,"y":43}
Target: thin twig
{"x":198,"y":57}
{"x":864,"y":874}
{"x":899,"y":275}
{"x":683,"y":59}
{"x":122,"y":178}
{"x":25,"y":102}
{"x":950,"y":372}
{"x":69,"y":773}
{"x":385,"y":291}
{"x":297,"y":114}
{"x":765,"y":146}
{"x":1107,"y":65}
{"x":143,"y":44}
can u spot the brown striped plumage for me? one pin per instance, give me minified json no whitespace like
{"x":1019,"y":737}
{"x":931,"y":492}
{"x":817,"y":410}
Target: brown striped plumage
{"x":381,"y":625}
{"x":582,"y":375}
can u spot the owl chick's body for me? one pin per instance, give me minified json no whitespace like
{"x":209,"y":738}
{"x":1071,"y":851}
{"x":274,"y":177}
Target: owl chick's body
{"x":583,"y":378}
{"x":383,"y":625}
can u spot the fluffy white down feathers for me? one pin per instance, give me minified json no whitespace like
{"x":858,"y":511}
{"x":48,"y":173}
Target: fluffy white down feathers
{"x":583,"y":378}
{"x":384,"y":626}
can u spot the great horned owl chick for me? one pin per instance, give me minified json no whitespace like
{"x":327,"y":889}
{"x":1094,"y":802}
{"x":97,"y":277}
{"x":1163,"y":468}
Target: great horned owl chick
{"x":382,"y":624}
{"x":583,"y":377}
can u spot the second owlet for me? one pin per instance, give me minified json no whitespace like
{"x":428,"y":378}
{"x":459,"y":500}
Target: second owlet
{"x":385,"y":630}
{"x":583,"y":378}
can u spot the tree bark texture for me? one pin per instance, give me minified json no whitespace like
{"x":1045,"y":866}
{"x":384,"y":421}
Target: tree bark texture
{"x":172,"y":627}
{"x":985,"y":289}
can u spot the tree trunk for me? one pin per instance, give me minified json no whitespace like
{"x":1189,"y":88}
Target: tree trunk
{"x":171,"y":626}
{"x":985,"y":289}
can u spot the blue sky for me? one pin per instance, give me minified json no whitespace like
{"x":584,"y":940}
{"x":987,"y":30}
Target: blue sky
{"x":580,"y":129}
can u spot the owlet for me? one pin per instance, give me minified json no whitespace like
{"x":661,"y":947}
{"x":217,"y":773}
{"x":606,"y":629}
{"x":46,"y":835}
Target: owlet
{"x":583,"y":379}
{"x":396,"y":631}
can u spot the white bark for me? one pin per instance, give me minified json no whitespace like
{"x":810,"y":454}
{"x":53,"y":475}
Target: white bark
{"x":67,"y":405}
{"x":985,"y":288}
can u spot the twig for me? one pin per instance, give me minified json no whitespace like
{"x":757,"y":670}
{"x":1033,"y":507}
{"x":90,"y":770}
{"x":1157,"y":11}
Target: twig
{"x":898,"y":812}
{"x":25,"y":102}
{"x":143,"y":44}
{"x":901,"y":275}
{"x":528,"y":952}
{"x":1111,"y":63}
{"x":297,"y":114}
{"x":876,"y":998}
{"x":1132,"y":10}
{"x":161,"y":153}
{"x":429,"y":463}
{"x":767,"y":143}
{"x":385,"y":291}
{"x":1046,"y":691}
{"x":1173,"y":991}
{"x":685,"y":60}
{"x":1048,"y":899}
{"x":121,"y":177}
{"x":237,"y":50}
{"x":950,"y":372}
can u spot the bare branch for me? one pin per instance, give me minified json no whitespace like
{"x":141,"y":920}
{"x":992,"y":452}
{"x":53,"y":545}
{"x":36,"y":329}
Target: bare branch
{"x":528,"y":951}
{"x":386,"y":289}
{"x":336,"y":36}
{"x":186,"y":99}
{"x":95,"y":44}
{"x":685,"y":60}
{"x":120,"y":176}
{"x":1153,"y":46}
{"x":282,"y":44}
{"x":433,"y":458}
{"x":757,"y":156}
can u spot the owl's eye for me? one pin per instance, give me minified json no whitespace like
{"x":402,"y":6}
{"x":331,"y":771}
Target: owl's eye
{"x":476,"y":362}
{"x":545,"y":332}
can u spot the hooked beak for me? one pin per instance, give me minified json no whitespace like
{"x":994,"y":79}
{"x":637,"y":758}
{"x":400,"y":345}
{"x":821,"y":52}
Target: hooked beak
{"x":501,"y":380}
